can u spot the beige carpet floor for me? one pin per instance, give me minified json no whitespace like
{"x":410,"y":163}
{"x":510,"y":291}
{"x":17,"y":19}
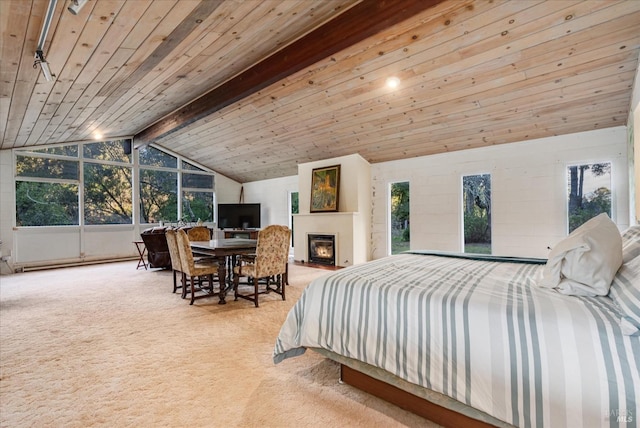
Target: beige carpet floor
{"x":109,"y":345}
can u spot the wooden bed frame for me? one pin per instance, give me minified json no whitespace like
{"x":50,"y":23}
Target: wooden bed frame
{"x":408,"y":401}
{"x":421,"y":401}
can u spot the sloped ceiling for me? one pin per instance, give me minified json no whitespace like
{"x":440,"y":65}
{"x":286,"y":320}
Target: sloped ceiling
{"x":472,"y":73}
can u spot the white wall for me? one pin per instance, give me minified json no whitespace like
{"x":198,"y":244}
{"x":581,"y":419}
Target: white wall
{"x":227,"y":190}
{"x":273,"y":196}
{"x":634,"y":149}
{"x":529,"y":191}
{"x":6,"y":208}
{"x":354,"y":170}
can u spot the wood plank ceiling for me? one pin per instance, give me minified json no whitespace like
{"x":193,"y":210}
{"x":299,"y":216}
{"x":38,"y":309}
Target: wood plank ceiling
{"x":472,"y":74}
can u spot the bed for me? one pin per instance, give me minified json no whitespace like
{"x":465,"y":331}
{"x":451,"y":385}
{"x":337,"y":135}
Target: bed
{"x":480,"y":337}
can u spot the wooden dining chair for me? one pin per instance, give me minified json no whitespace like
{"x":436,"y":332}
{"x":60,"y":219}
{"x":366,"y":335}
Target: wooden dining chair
{"x":198,"y":273}
{"x":269,"y":264}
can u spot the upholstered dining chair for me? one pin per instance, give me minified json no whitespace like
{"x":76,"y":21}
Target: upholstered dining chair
{"x":196,"y":271}
{"x":268,"y":264}
{"x":176,"y":264}
{"x":199,"y":233}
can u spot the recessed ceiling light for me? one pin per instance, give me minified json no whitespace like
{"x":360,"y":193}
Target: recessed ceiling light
{"x":97,"y":135}
{"x":393,"y":82}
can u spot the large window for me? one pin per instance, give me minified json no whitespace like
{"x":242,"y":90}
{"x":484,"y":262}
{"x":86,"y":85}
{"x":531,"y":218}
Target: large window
{"x":92,"y":184}
{"x":162,"y":178}
{"x":46,"y":204}
{"x":36,"y":166}
{"x":589,"y":190}
{"x":47,"y":183}
{"x":107,"y":182}
{"x":158,"y":196}
{"x":197,"y":206}
{"x":150,"y":156}
{"x":197,"y":193}
{"x":158,"y":185}
{"x":476,"y":201}
{"x":400,"y":231}
{"x":107,"y":194}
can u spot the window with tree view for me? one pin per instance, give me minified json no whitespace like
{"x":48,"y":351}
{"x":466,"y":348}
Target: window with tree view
{"x":197,"y":194}
{"x":158,"y":185}
{"x":476,"y":200}
{"x":47,"y":183}
{"x":107,"y":182}
{"x":589,"y":189}
{"x":52,"y":182}
{"x":158,"y":196}
{"x":400,"y":230}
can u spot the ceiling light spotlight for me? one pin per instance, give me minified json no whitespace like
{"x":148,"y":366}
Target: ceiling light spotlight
{"x":76,"y":5}
{"x":393,"y":82}
{"x":44,"y":65}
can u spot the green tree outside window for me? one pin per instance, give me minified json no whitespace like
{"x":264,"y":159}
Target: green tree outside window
{"x":107,"y":194}
{"x":158,"y":196}
{"x":46,"y":204}
{"x":400,"y":216}
{"x":589,"y":188}
{"x":476,"y":199}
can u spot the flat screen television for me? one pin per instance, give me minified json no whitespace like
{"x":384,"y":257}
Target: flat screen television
{"x":239,"y":216}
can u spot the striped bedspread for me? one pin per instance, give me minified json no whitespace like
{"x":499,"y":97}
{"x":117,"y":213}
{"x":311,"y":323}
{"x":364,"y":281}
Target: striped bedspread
{"x":480,"y":332}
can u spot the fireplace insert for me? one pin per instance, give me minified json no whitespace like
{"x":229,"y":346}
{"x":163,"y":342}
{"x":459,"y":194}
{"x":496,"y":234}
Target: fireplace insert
{"x":322,"y":249}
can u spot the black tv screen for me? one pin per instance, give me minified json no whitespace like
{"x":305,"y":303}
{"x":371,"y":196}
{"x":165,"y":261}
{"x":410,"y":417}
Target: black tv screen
{"x":239,"y":216}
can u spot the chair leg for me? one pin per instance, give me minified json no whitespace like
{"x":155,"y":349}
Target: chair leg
{"x":236,"y":280}
{"x":175,"y":283}
{"x":193,"y":290}
{"x":184,"y":285}
{"x":283,"y":282}
{"x":255,"y":291}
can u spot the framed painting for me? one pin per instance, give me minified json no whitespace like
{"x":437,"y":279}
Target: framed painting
{"x":325,"y":187}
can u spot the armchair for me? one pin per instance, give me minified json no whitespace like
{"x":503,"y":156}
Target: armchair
{"x":157,"y":248}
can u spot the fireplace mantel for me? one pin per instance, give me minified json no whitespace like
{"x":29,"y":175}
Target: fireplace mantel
{"x":347,"y":226}
{"x":352,"y":224}
{"x":327,"y":214}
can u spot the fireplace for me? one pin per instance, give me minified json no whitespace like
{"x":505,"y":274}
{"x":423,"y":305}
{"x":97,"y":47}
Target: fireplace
{"x":322,"y":249}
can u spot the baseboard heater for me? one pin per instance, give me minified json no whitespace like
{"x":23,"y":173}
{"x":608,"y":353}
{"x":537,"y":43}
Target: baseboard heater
{"x":72,"y":263}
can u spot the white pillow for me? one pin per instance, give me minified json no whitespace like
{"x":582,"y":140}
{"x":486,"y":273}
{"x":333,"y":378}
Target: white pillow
{"x":585,"y":262}
{"x":625,"y":292}
{"x":631,"y":243}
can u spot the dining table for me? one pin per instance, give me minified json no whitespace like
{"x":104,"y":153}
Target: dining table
{"x":225,"y":251}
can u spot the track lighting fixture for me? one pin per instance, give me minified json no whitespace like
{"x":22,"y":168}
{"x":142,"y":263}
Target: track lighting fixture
{"x":43,"y":36}
{"x":76,"y":5}
{"x":44,"y":65}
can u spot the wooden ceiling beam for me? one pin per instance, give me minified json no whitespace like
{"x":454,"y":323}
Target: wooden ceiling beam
{"x":350,"y":27}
